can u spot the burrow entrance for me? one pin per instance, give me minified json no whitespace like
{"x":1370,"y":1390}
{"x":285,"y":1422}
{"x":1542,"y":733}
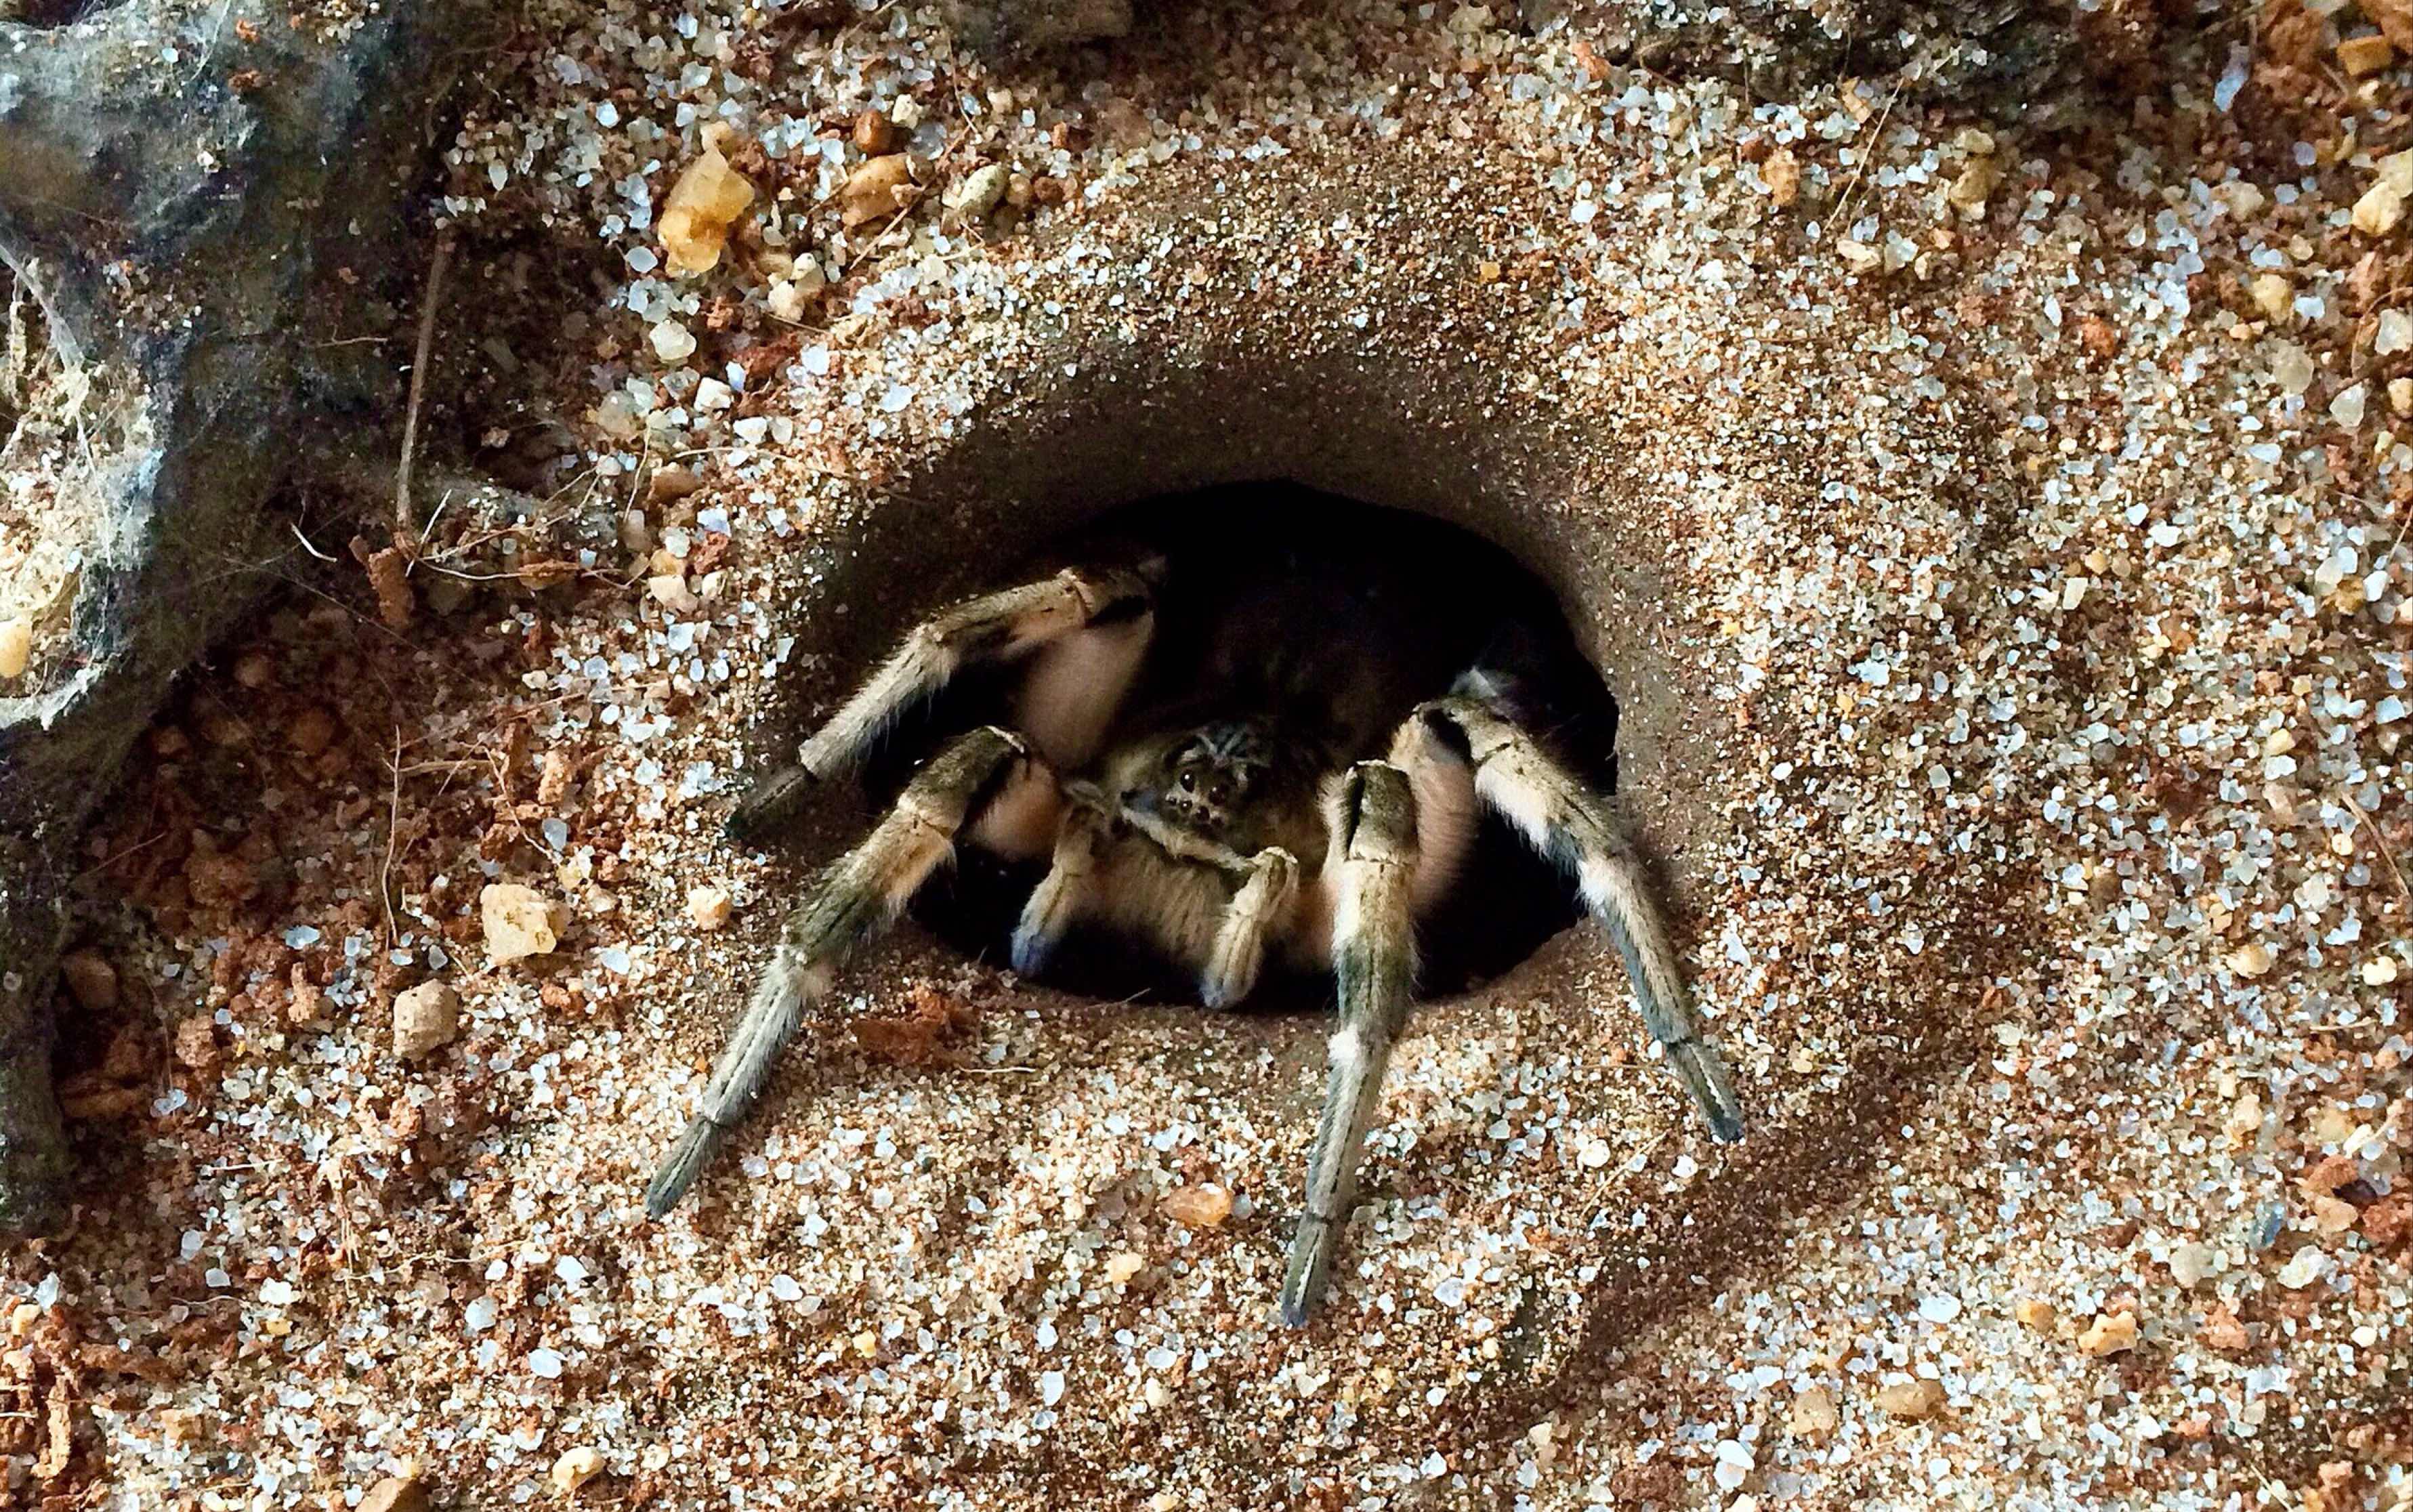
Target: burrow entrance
{"x":1329,"y":619}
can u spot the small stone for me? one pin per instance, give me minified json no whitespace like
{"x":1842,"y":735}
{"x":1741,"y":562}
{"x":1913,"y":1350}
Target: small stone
{"x":2379,"y":210}
{"x":2334,"y":1215}
{"x":2190,"y":1263}
{"x":1913,"y":1400}
{"x":2389,"y":1220}
{"x":576,"y":1468}
{"x":2109,"y":1334}
{"x":2275,"y":296}
{"x":702,"y":205}
{"x":15,"y":647}
{"x":980,"y":192}
{"x":1122,"y":1267}
{"x":518,"y":921}
{"x":89,"y":980}
{"x":1782,"y":173}
{"x":1813,"y":1414}
{"x":672,"y":481}
{"x":1858,"y":256}
{"x":1975,"y":182}
{"x":2360,"y":55}
{"x":2346,"y":409}
{"x":426,"y":1018}
{"x":2329,"y":1172}
{"x":2219,"y":1330}
{"x":2251,"y":960}
{"x":2035,"y":1313}
{"x":2303,"y":1269}
{"x":671,"y":342}
{"x":395,"y":1493}
{"x":1734,"y":1463}
{"x":2379,"y":970}
{"x":880,"y":186}
{"x":1204,"y":1205}
{"x":2291,"y":368}
{"x":311,"y":732}
{"x":874,"y":134}
{"x":553,"y":782}
{"x":670,"y":591}
{"x":709,"y":906}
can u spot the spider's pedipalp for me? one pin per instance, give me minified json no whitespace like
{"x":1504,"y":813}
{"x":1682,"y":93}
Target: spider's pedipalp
{"x":1370,"y":869}
{"x":1259,"y":911}
{"x":1092,"y":624}
{"x":855,"y":901}
{"x":1564,"y":820}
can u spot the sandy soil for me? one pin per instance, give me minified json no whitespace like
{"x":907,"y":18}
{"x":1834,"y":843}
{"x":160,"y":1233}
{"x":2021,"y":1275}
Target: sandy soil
{"x":1996,"y":544}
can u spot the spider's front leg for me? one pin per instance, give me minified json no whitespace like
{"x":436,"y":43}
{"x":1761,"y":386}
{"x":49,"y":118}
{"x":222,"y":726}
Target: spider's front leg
{"x":1567,"y":822}
{"x":1371,"y":871}
{"x":985,"y":776}
{"x":1090,"y":625}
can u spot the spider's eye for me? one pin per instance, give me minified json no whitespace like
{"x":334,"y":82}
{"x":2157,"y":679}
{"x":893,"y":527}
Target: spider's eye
{"x":1189,"y":781}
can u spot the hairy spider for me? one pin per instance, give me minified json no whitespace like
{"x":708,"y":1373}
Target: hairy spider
{"x":1259,"y":734}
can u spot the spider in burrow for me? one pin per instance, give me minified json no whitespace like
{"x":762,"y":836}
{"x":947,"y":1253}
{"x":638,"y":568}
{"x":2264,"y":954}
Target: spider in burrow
{"x":1258,"y":732}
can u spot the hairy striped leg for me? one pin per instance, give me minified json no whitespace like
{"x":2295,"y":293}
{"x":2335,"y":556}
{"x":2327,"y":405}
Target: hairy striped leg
{"x":1095,"y":621}
{"x":1569,"y":824}
{"x":855,"y":901}
{"x":1066,"y":894}
{"x":1371,"y":871}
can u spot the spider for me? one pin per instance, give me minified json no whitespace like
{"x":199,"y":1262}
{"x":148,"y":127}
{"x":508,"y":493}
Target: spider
{"x":1244,"y":742}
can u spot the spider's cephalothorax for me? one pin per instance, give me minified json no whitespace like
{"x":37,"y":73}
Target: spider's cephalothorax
{"x":1251,"y":737}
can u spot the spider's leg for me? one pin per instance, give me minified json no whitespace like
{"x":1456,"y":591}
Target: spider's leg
{"x":855,"y":901}
{"x":1256,"y":912}
{"x":1114,"y":603}
{"x":1569,"y":824}
{"x":1065,"y":894}
{"x":1372,"y":870}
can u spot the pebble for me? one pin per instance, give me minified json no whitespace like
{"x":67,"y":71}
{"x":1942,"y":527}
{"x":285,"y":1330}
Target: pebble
{"x":1204,"y":1205}
{"x":670,"y":591}
{"x":2251,"y":960}
{"x":2035,"y":1313}
{"x":2335,"y":1215}
{"x":1782,"y":173}
{"x":671,"y":342}
{"x":2379,"y":970}
{"x":91,"y":981}
{"x":708,"y":906}
{"x":2379,"y":210}
{"x":518,"y":921}
{"x":1123,"y":1266}
{"x":705,"y":202}
{"x":1813,"y":1414}
{"x":426,"y":1018}
{"x":2275,"y":296}
{"x":15,"y":647}
{"x":2109,"y":1334}
{"x":1913,"y":1400}
{"x":980,"y":191}
{"x":874,"y":134}
{"x":871,"y":190}
{"x":2190,"y":1264}
{"x":2305,"y":1269}
{"x":2360,"y":55}
{"x":576,"y":1468}
{"x":395,"y":1493}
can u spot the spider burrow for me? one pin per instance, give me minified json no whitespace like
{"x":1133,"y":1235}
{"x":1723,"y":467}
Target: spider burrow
{"x":1242,"y":744}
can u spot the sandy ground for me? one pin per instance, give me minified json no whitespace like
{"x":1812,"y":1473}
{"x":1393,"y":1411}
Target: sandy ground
{"x":1997,"y":545}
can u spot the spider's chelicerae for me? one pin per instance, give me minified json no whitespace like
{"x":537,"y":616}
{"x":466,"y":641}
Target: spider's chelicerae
{"x":1256,"y":737}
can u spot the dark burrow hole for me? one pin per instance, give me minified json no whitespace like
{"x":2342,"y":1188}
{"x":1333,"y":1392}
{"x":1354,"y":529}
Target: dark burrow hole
{"x":1335,"y":618}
